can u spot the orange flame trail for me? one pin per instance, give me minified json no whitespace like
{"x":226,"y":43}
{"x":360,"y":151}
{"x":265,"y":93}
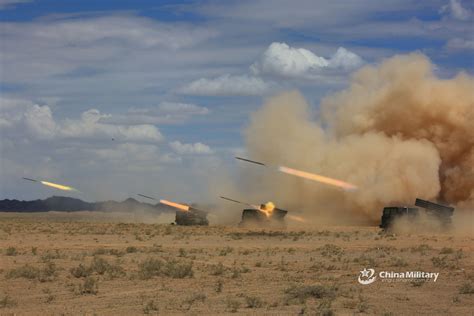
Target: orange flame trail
{"x":316,"y":177}
{"x":175,"y":205}
{"x":58,"y":186}
{"x":297,"y":218}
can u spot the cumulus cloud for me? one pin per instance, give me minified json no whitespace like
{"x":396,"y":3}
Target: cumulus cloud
{"x":191,"y":149}
{"x":282,"y":60}
{"x":227,"y":85}
{"x":456,"y":10}
{"x":164,"y":113}
{"x":37,"y":121}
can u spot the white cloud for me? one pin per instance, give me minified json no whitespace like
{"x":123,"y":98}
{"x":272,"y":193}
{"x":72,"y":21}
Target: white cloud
{"x":456,"y":10}
{"x":227,"y":85}
{"x":164,"y":113}
{"x":69,"y":46}
{"x":190,"y":149}
{"x":11,"y":3}
{"x":175,"y":108}
{"x":460,"y":44}
{"x":38,"y":122}
{"x":345,"y":59}
{"x":282,"y":60}
{"x":128,"y":152}
{"x":90,"y":126}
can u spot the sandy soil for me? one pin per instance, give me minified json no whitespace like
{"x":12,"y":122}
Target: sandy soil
{"x":86,"y":263}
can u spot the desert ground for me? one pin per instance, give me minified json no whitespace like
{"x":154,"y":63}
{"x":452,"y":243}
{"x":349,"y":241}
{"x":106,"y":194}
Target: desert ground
{"x":85,"y":263}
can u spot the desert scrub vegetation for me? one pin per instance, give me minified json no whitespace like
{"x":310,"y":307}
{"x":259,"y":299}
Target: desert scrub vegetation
{"x":111,"y":252}
{"x":150,"y":307}
{"x":365,"y":260}
{"x":218,"y":269}
{"x":170,"y":268}
{"x":11,"y":251}
{"x":219,"y":286}
{"x":301,"y":293}
{"x":47,"y":273}
{"x":51,"y":255}
{"x":445,"y":262}
{"x":131,"y":249}
{"x":446,"y":250}
{"x":6,"y":301}
{"x":422,"y":249}
{"x":329,"y":250}
{"x":194,"y":298}
{"x":466,"y":288}
{"x":254,"y":302}
{"x":382,"y":250}
{"x":99,"y":266}
{"x":264,"y":233}
{"x":233,"y":305}
{"x":225,"y":251}
{"x":80,"y":271}
{"x":49,"y":296}
{"x":89,"y":286}
{"x":398,"y":262}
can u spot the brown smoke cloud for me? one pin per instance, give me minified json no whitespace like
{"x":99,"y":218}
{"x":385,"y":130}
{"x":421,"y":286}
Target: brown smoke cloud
{"x":398,"y":132}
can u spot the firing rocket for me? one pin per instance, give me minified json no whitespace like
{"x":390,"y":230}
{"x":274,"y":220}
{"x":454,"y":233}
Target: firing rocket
{"x":53,"y":185}
{"x":306,"y":175}
{"x":146,"y":196}
{"x":179,"y":206}
{"x":32,"y":180}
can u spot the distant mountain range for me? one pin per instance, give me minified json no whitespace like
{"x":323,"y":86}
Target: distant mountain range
{"x":68,"y":204}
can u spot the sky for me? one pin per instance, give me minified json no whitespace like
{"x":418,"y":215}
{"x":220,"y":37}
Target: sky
{"x":119,"y":97}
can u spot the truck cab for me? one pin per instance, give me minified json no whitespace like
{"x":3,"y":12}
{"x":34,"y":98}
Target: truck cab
{"x":391,"y":213}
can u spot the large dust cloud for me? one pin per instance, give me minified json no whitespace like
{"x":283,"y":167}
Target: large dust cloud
{"x":397,"y":132}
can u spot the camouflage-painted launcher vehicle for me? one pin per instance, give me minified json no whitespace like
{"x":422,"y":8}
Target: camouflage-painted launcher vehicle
{"x":192,"y":217}
{"x":264,"y":215}
{"x":186,"y":215}
{"x":438,"y":212}
{"x":254,"y":217}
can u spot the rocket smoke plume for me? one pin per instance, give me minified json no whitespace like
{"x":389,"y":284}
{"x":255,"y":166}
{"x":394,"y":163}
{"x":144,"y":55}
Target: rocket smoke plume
{"x":397,"y":132}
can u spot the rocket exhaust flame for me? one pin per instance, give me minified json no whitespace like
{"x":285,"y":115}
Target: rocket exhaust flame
{"x":267,"y":208}
{"x":311,"y":176}
{"x":296,"y":218}
{"x":315,"y":177}
{"x":53,"y":185}
{"x":175,"y":205}
{"x":58,"y":186}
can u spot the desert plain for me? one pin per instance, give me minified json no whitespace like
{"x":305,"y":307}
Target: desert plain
{"x":87,"y":263}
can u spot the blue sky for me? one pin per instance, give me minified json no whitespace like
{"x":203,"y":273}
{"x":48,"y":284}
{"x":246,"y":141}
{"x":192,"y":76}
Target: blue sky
{"x":173,"y":83}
